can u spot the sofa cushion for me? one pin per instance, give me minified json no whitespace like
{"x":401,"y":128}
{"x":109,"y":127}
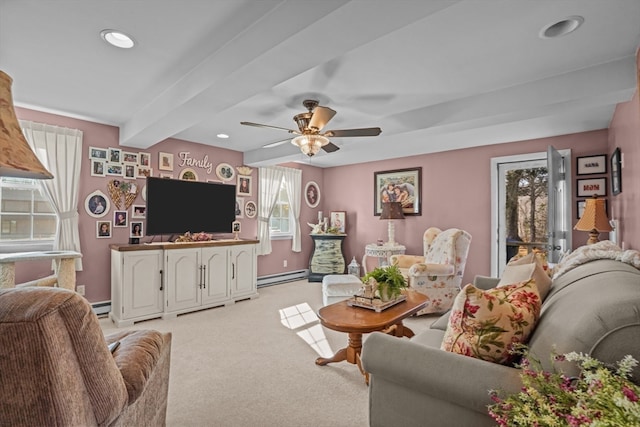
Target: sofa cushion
{"x":525,"y":268}
{"x":486,"y":324}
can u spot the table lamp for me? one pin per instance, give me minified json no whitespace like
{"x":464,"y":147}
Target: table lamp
{"x":17,"y":159}
{"x":391,"y":211}
{"x":594,"y":219}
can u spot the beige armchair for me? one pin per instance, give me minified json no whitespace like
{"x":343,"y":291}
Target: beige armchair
{"x":438,"y":272}
{"x":56,"y":369}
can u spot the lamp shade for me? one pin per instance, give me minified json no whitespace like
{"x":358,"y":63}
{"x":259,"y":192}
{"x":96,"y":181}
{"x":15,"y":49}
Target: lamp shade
{"x":17,"y":159}
{"x":310,"y":144}
{"x":392,"y":210}
{"x":594,"y":217}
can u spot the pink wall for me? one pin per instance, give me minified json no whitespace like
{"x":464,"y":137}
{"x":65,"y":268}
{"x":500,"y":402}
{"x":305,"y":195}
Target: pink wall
{"x":96,"y":274}
{"x":456,"y":189}
{"x":456,"y":193}
{"x":624,"y":133}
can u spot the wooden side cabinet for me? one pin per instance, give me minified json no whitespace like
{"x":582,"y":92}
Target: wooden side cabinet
{"x":327,"y":257}
{"x":136,"y":286}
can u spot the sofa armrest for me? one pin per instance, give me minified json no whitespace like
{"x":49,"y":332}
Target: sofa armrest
{"x":462,"y":380}
{"x":137,"y":356}
{"x":422,"y":269}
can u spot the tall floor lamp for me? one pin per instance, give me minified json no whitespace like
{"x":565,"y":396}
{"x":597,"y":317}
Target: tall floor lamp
{"x":391,"y":211}
{"x":594,"y":219}
{"x":17,"y":159}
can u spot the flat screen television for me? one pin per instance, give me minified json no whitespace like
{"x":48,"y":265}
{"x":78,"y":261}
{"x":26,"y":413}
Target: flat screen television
{"x":176,"y":206}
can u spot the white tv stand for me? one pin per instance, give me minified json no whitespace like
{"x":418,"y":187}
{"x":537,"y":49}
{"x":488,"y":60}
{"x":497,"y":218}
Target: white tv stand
{"x":168,"y":279}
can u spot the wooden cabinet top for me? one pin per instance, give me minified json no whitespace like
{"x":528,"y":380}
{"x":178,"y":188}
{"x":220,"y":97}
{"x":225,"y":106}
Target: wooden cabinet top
{"x":181,"y":245}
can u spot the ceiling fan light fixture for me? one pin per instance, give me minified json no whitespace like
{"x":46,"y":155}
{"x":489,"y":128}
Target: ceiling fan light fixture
{"x":310,"y":144}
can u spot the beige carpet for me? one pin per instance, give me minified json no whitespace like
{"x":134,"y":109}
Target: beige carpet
{"x":241,"y":366}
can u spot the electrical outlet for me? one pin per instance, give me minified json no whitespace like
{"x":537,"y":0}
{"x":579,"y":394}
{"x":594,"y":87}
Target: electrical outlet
{"x":284,"y":264}
{"x":80,"y":289}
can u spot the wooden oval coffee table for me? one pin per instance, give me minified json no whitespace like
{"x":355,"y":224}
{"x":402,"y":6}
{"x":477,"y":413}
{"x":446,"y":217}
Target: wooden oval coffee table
{"x":357,"y":321}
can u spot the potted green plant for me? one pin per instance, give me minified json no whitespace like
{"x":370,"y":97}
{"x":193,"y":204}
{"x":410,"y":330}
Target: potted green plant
{"x":389,"y":281}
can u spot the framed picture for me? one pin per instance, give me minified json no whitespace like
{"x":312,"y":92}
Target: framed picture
{"x":580,"y":204}
{"x":616,"y":172}
{"x":225,"y":172}
{"x":97,"y":204}
{"x":97,"y":153}
{"x":165,"y":161}
{"x":236,"y":226}
{"x":120,"y":218}
{"x":188,"y":174}
{"x":115,"y":169}
{"x":144,"y":159}
{"x":590,"y":165}
{"x":312,"y":194}
{"x":129,"y":157}
{"x":130,"y":171}
{"x":239,"y":207}
{"x":250,"y":209}
{"x":98,"y":167}
{"x":244,"y":185}
{"x":136,"y":230}
{"x":115,"y":155}
{"x":401,"y":185}
{"x":592,"y":187}
{"x":143,"y":172}
{"x":339,"y":221}
{"x":103,"y":229}
{"x":138,"y":211}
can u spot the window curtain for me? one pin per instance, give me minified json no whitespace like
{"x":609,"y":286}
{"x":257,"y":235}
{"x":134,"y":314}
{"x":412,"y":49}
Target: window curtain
{"x":268,"y":187}
{"x":60,"y":150}
{"x":293,"y":185}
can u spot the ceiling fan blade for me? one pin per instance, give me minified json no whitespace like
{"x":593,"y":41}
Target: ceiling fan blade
{"x":258,"y":125}
{"x":330,"y":147}
{"x":353,"y":132}
{"x":275,"y":144}
{"x":321,"y":116}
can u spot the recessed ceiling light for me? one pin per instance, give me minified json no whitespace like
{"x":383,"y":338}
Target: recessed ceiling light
{"x":117,"y":38}
{"x":561,"y":28}
{"x":222,"y":136}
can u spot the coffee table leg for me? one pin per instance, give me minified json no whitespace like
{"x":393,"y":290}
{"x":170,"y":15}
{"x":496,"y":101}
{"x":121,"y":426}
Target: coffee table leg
{"x":350,"y":353}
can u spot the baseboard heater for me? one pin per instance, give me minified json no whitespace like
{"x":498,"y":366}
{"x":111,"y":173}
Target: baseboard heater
{"x":275,"y":279}
{"x":101,"y":308}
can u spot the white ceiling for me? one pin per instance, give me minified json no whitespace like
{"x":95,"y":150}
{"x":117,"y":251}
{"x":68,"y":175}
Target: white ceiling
{"x":433,"y":74}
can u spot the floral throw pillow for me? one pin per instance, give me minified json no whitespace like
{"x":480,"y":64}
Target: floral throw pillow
{"x":486,"y":324}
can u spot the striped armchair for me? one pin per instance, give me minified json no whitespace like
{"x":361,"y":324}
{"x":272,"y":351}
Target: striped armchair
{"x":438,"y":273}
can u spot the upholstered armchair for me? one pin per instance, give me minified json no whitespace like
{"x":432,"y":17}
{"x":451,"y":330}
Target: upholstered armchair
{"x":56,"y":368}
{"x":437,"y":273}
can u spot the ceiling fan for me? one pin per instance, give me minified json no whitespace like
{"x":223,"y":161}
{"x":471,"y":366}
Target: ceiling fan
{"x":310,"y":139}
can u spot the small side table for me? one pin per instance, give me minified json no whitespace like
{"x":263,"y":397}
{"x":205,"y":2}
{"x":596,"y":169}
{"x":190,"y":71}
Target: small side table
{"x":327,"y":257}
{"x":382,"y":252}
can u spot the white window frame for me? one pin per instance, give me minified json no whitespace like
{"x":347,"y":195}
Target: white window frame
{"x":27,"y":245}
{"x":277,"y":235}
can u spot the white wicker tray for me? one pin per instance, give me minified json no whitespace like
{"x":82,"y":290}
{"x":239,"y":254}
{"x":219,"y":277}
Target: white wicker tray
{"x":373,"y":303}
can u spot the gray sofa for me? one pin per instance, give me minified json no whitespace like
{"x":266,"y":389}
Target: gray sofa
{"x":593,"y":308}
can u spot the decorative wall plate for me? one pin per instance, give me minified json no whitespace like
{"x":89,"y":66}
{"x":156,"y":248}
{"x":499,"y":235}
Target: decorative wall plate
{"x":188,"y":174}
{"x":225,"y":171}
{"x":97,"y":204}
{"x":250,"y":209}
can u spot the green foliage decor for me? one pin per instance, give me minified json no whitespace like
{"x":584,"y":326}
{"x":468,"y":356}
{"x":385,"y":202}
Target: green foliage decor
{"x":389,"y":277}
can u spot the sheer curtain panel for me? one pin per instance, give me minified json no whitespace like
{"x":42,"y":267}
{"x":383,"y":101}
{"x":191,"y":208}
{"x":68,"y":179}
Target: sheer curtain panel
{"x":268,"y":187}
{"x":60,"y":150}
{"x":293,"y":185}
